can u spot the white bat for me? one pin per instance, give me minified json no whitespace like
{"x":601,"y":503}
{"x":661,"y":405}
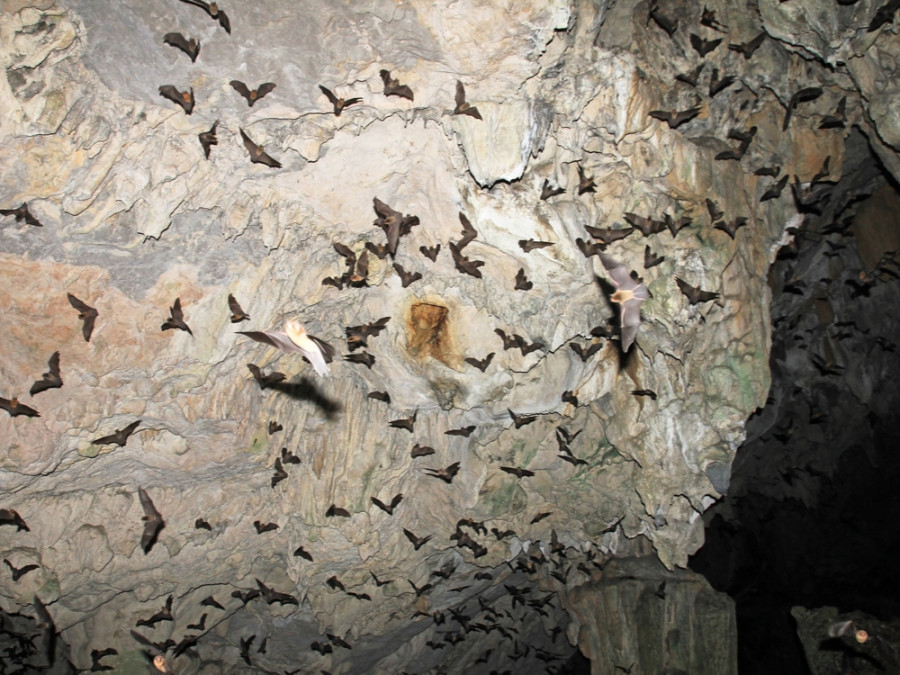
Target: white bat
{"x":293,"y":340}
{"x":629,"y":294}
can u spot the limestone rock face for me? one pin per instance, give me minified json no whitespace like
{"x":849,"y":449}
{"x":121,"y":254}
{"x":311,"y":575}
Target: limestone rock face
{"x":134,"y":217}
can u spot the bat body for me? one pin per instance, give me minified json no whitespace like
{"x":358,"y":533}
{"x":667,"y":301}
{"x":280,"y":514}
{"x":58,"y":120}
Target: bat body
{"x":731,"y":228}
{"x":675,"y":119}
{"x":14,"y":408}
{"x":364,"y":358}
{"x":629,"y":294}
{"x":252,"y":95}
{"x":692,"y":77}
{"x":708,"y":19}
{"x":463,"y":431}
{"x":338,"y":103}
{"x":430,"y":252}
{"x":539,"y":517}
{"x":421,"y":451}
{"x":393,"y":223}
{"x":481,"y":364}
{"x":176,"y":318}
{"x":246,"y":643}
{"x":266,"y":380}
{"x":693,"y":294}
{"x":447,"y":474}
{"x":97,"y":654}
{"x":388,"y":508}
{"x":164,"y":614}
{"x":185,"y":98}
{"x":334,"y":511}
{"x":48,"y":630}
{"x":837,"y":120}
{"x":274,"y":427}
{"x":289,"y":457}
{"x":257,"y":154}
{"x":517,"y":472}
{"x":647,"y":226}
{"x":644,"y":392}
{"x":747,"y":49}
{"x":49,"y":380}
{"x":153,"y":521}
{"x":464,"y":264}
{"x":271,"y":596}
{"x":607,"y":235}
{"x":667,"y":24}
{"x":703,"y":47}
{"x":583,"y":353}
{"x":405,"y":423}
{"x":263,"y":528}
{"x":191,"y":47}
{"x":210,"y":601}
{"x":202,"y":524}
{"x":280,"y":474}
{"x":884,"y":14}
{"x":12,"y":517}
{"x":86,"y":313}
{"x":392,"y":86}
{"x":214,"y":12}
{"x":335,"y":583}
{"x":406,"y":278}
{"x":295,"y":340}
{"x":650,"y":259}
{"x":775,"y":190}
{"x":420,"y":590}
{"x":529,"y":245}
{"x":208,"y":139}
{"x":469,"y":233}
{"x":462,"y":107}
{"x":585,"y":183}
{"x":22,"y":214}
{"x":380,"y":396}
{"x":547,"y":191}
{"x":303,"y":553}
{"x":520,"y":420}
{"x":522,"y":282}
{"x":119,"y":437}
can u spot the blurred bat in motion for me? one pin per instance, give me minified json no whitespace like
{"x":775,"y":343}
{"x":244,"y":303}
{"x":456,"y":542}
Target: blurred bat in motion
{"x":629,"y":294}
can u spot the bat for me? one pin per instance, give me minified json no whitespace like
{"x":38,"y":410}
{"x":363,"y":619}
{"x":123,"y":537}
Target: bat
{"x":86,"y":313}
{"x":295,"y":340}
{"x":388,"y":508}
{"x":392,"y":86}
{"x":502,"y":535}
{"x":119,"y":436}
{"x":842,"y":628}
{"x":676,"y":226}
{"x":96,"y":655}
{"x":246,"y":643}
{"x":713,"y":208}
{"x":12,"y":517}
{"x":647,"y":226}
{"x":417,"y":542}
{"x":274,"y":427}
{"x":214,"y":12}
{"x":435,"y":645}
{"x":704,"y":47}
{"x":393,"y":223}
{"x":522,"y":282}
{"x":271,"y":596}
{"x":651,"y":259}
{"x":447,"y":474}
{"x":547,"y":191}
{"x":539,"y":517}
{"x":190,"y":47}
{"x":521,"y":420}
{"x":717,"y":85}
{"x":303,"y":553}
{"x":569,"y":396}
{"x":421,"y":451}
{"x":183,"y":98}
{"x":237,"y":314}
{"x":695,"y":295}
{"x":48,"y":630}
{"x":261,"y":528}
{"x":338,"y":641}
{"x":265,"y":380}
{"x":257,"y":154}
{"x":360,"y":596}
{"x":201,"y":524}
{"x":745,"y":138}
{"x":176,"y":318}
{"x":420,"y":591}
{"x":476,"y":525}
{"x":338,"y":103}
{"x":380,"y":250}
{"x":883,"y":15}
{"x":607,"y":235}
{"x":835,"y":121}
{"x":675,"y":118}
{"x":49,"y":380}
{"x":208,"y":139}
{"x":445,"y":572}
{"x":661,"y":20}
{"x":164,"y":614}
{"x":245,"y":596}
{"x":463,"y":264}
{"x":629,"y":294}
{"x":484,"y":576}
{"x":583,"y":353}
{"x":430,"y":252}
{"x":731,"y":228}
{"x":775,"y":190}
{"x":481,"y":364}
{"x":280,"y":473}
{"x":518,"y":473}
{"x":528,"y":245}
{"x":585,"y":183}
{"x":692,"y":77}
{"x":644,"y":392}
{"x":153,"y":521}
{"x":468,"y":232}
{"x":288,"y":457}
{"x":462,"y":107}
{"x":708,"y":19}
{"x":801,"y":96}
{"x":335,"y":583}
{"x":464,"y":431}
{"x":406,"y":278}
{"x":463,"y":540}
{"x":772,"y":171}
{"x":365,"y":330}
{"x":254,"y":95}
{"x":406,"y":422}
{"x":364,"y":358}
{"x":22,"y":214}
{"x":19,"y":572}
{"x":380,"y":396}
{"x":334,"y":511}
{"x":747,"y":49}
{"x":571,"y":459}
{"x":323,"y":649}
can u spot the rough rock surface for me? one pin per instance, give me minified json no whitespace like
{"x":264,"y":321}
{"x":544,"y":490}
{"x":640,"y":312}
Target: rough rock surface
{"x":135,"y":217}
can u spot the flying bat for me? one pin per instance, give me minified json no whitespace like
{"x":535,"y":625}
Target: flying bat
{"x":214,"y":12}
{"x":338,"y":103}
{"x":585,"y":183}
{"x":164,"y":614}
{"x":421,"y":451}
{"x":246,"y":643}
{"x":190,"y":47}
{"x":288,"y":457}
{"x":717,"y":85}
{"x":607,"y":235}
{"x":271,"y":596}
{"x":692,"y":77}
{"x":263,"y":528}
{"x":380,"y":396}
{"x":388,"y":508}
{"x":202,"y":524}
{"x":119,"y":437}
{"x":529,"y":245}
{"x":745,"y":138}
{"x":462,"y":107}
{"x":481,"y":364}
{"x":406,"y":278}
{"x":675,"y":118}
{"x":521,"y":420}
{"x":153,"y":521}
{"x":463,"y":431}
{"x":208,"y":139}
{"x":583,"y":353}
{"x":335,"y":511}
{"x":245,"y":596}
{"x":747,"y":49}
{"x":303,"y":553}
{"x":539,"y":517}
{"x":393,"y":223}
{"x":801,"y":96}
{"x":547,"y":191}
{"x":12,"y":517}
{"x":708,"y":19}
{"x":463,"y":264}
{"x":522,"y":282}
{"x":280,"y":474}
{"x":380,"y":250}
{"x":713,"y":208}
{"x":731,"y":228}
{"x":647,"y":226}
{"x":335,"y":583}
{"x":360,"y":596}
{"x":48,"y":630}
{"x":419,"y":591}
{"x":502,"y":535}
{"x":49,"y":380}
{"x":338,"y":641}
{"x":447,"y":474}
{"x":237,"y":314}
{"x":210,"y":601}
{"x":86,"y":313}
{"x":884,"y":14}
{"x":405,"y":423}
{"x":775,"y":190}
{"x":295,"y":340}
{"x":515,"y":471}
{"x":667,"y":24}
{"x":274,"y":427}
{"x":183,"y":98}
{"x":392,"y":86}
{"x":651,"y":259}
{"x":176,"y":318}
{"x":572,"y":459}
{"x":267,"y":379}
{"x":695,"y":295}
{"x":253,"y":95}
{"x":417,"y":542}
{"x":363,"y":358}
{"x":430,"y":252}
{"x":837,"y":120}
{"x":629,"y":294}
{"x":22,"y":214}
{"x":97,"y":654}
{"x":468,"y":232}
{"x":19,"y":572}
{"x":772,"y":171}
{"x":257,"y":153}
{"x":568,"y":396}
{"x":704,"y":47}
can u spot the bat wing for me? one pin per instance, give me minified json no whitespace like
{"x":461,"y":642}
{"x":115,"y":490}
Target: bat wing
{"x":241,"y":88}
{"x":273,"y":338}
{"x":264,"y":89}
{"x":175,"y":310}
{"x":127,"y":431}
{"x":235,"y":307}
{"x":631,"y":321}
{"x":329,"y":95}
{"x":154,"y":521}
{"x":177,"y":40}
{"x":106,"y":440}
{"x":617,"y":272}
{"x":460,"y":95}
{"x":224,"y":22}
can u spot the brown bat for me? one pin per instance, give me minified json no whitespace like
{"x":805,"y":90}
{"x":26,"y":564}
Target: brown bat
{"x":210,"y":601}
{"x":263,"y":528}
{"x":647,"y":226}
{"x":717,"y":85}
{"x":837,"y":120}
{"x":522,"y":282}
{"x":676,"y":226}
{"x":607,"y":235}
{"x":303,"y":553}
{"x":280,"y":474}
{"x":704,"y":47}
{"x":629,"y":294}
{"x":421,"y":451}
{"x":380,"y":396}
{"x":675,"y":118}
{"x":208,"y":139}
{"x":338,"y":103}
{"x":589,"y":248}
{"x":464,"y":540}
{"x":183,"y":98}
{"x":49,"y":380}
{"x":463,"y":264}
{"x":253,"y":95}
{"x":176,"y":318}
{"x":237,"y":314}
{"x":392,"y":86}
{"x":884,"y":14}
{"x":202,"y":524}
{"x":86,"y":313}
{"x":481,"y":364}
{"x":288,"y":457}
{"x":335,"y":583}
{"x":246,"y":644}
{"x":364,"y":358}
{"x":463,"y":431}
{"x":164,"y":614}
{"x":447,"y":474}
{"x":22,"y":214}
{"x":360,"y":596}
{"x":502,"y":535}
{"x":585,"y":183}
{"x":521,"y":420}
{"x":245,"y":596}
{"x":338,"y":641}
{"x":463,"y":108}
{"x":214,"y":12}
{"x":12,"y":517}
{"x":692,"y":77}
{"x":713,"y":208}
{"x":393,"y":223}
{"x":571,"y":459}
{"x":468,"y":232}
{"x":267,"y":379}
{"x":334,"y":511}
{"x":583,"y":353}
{"x":644,"y":392}
{"x":664,"y":22}
{"x":569,"y":396}
{"x":200,"y":625}
{"x":406,"y":423}
{"x":271,"y":596}
{"x":745,"y":137}
{"x":430,"y":252}
{"x":802,"y":96}
{"x":518,"y":473}
{"x":388,"y":508}
{"x":695,"y":295}
{"x":650,"y":259}
{"x":19,"y":572}
{"x":97,"y":654}
{"x":257,"y":154}
{"x":708,"y":19}
{"x":190,"y":47}
{"x":372,"y":329}
{"x":747,"y":49}
{"x":539,"y":517}
{"x":423,"y":589}
{"x":406,"y":278}
{"x":274,"y":427}
{"x":731,"y":228}
{"x":153,"y":521}
{"x":547,"y":191}
{"x":775,"y":190}
{"x":529,"y":245}
{"x":119,"y":437}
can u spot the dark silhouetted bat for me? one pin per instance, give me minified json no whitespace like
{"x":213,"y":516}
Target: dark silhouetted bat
{"x":153,"y":521}
{"x":692,"y":77}
{"x":246,"y":643}
{"x":704,"y":47}
{"x":775,"y":190}
{"x":647,"y":226}
{"x":202,"y":524}
{"x":430,"y":252}
{"x":883,"y":15}
{"x":463,"y":264}
{"x":416,"y":541}
{"x":245,"y":596}
{"x":392,"y":86}
{"x":463,"y":108}
{"x":644,"y":392}
{"x":423,"y":589}
{"x":447,"y":474}
{"x":45,"y":623}
{"x":695,"y":295}
{"x":463,"y":431}
{"x":547,"y":191}
{"x":210,"y":601}
{"x":748,"y":48}
{"x":22,"y":214}
{"x":708,"y":19}
{"x":717,"y":85}
{"x":280,"y":474}
{"x":237,"y":314}
{"x":650,"y":259}
{"x":675,"y":118}
{"x":295,"y":340}
{"x":380,"y":396}
{"x":190,"y":47}
{"x":49,"y":380}
{"x":667,"y":24}
{"x":274,"y":427}
{"x":176,"y":318}
{"x":802,"y":96}
{"x":585,"y":183}
{"x":568,"y":396}
{"x":388,"y":508}
{"x":338,"y":641}
{"x":364,"y":358}
{"x":271,"y":596}
{"x":521,"y":420}
{"x":12,"y":517}
{"x":253,"y":95}
{"x":571,"y":459}
{"x":288,"y":457}
{"x":405,"y":423}
{"x":484,"y":576}
{"x":772,"y":171}
{"x":97,"y":654}
{"x":529,"y":245}
{"x":380,"y":250}
{"x":360,"y":596}
{"x":183,"y":98}
{"x":267,"y":379}
{"x":335,"y":511}
{"x":583,"y":353}
{"x":468,"y":232}
{"x":502,"y":535}
{"x":164,"y":614}
{"x":268,"y":527}
{"x":731,"y":228}
{"x":539,"y":517}
{"x":481,"y":364}
{"x":837,"y":120}
{"x":323,"y":649}
{"x":393,"y":223}
{"x":86,"y":313}
{"x":119,"y":437}
{"x":464,"y":540}
{"x":522,"y":282}
{"x":214,"y":12}
{"x":208,"y":139}
{"x":745,"y":138}
{"x":629,"y":294}
{"x":607,"y":235}
{"x":518,"y":473}
{"x":406,"y":278}
{"x":338,"y":103}
{"x":713,"y":208}
{"x":19,"y":572}
{"x":303,"y":553}
{"x":335,"y":583}
{"x":421,"y":451}
{"x":257,"y":154}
